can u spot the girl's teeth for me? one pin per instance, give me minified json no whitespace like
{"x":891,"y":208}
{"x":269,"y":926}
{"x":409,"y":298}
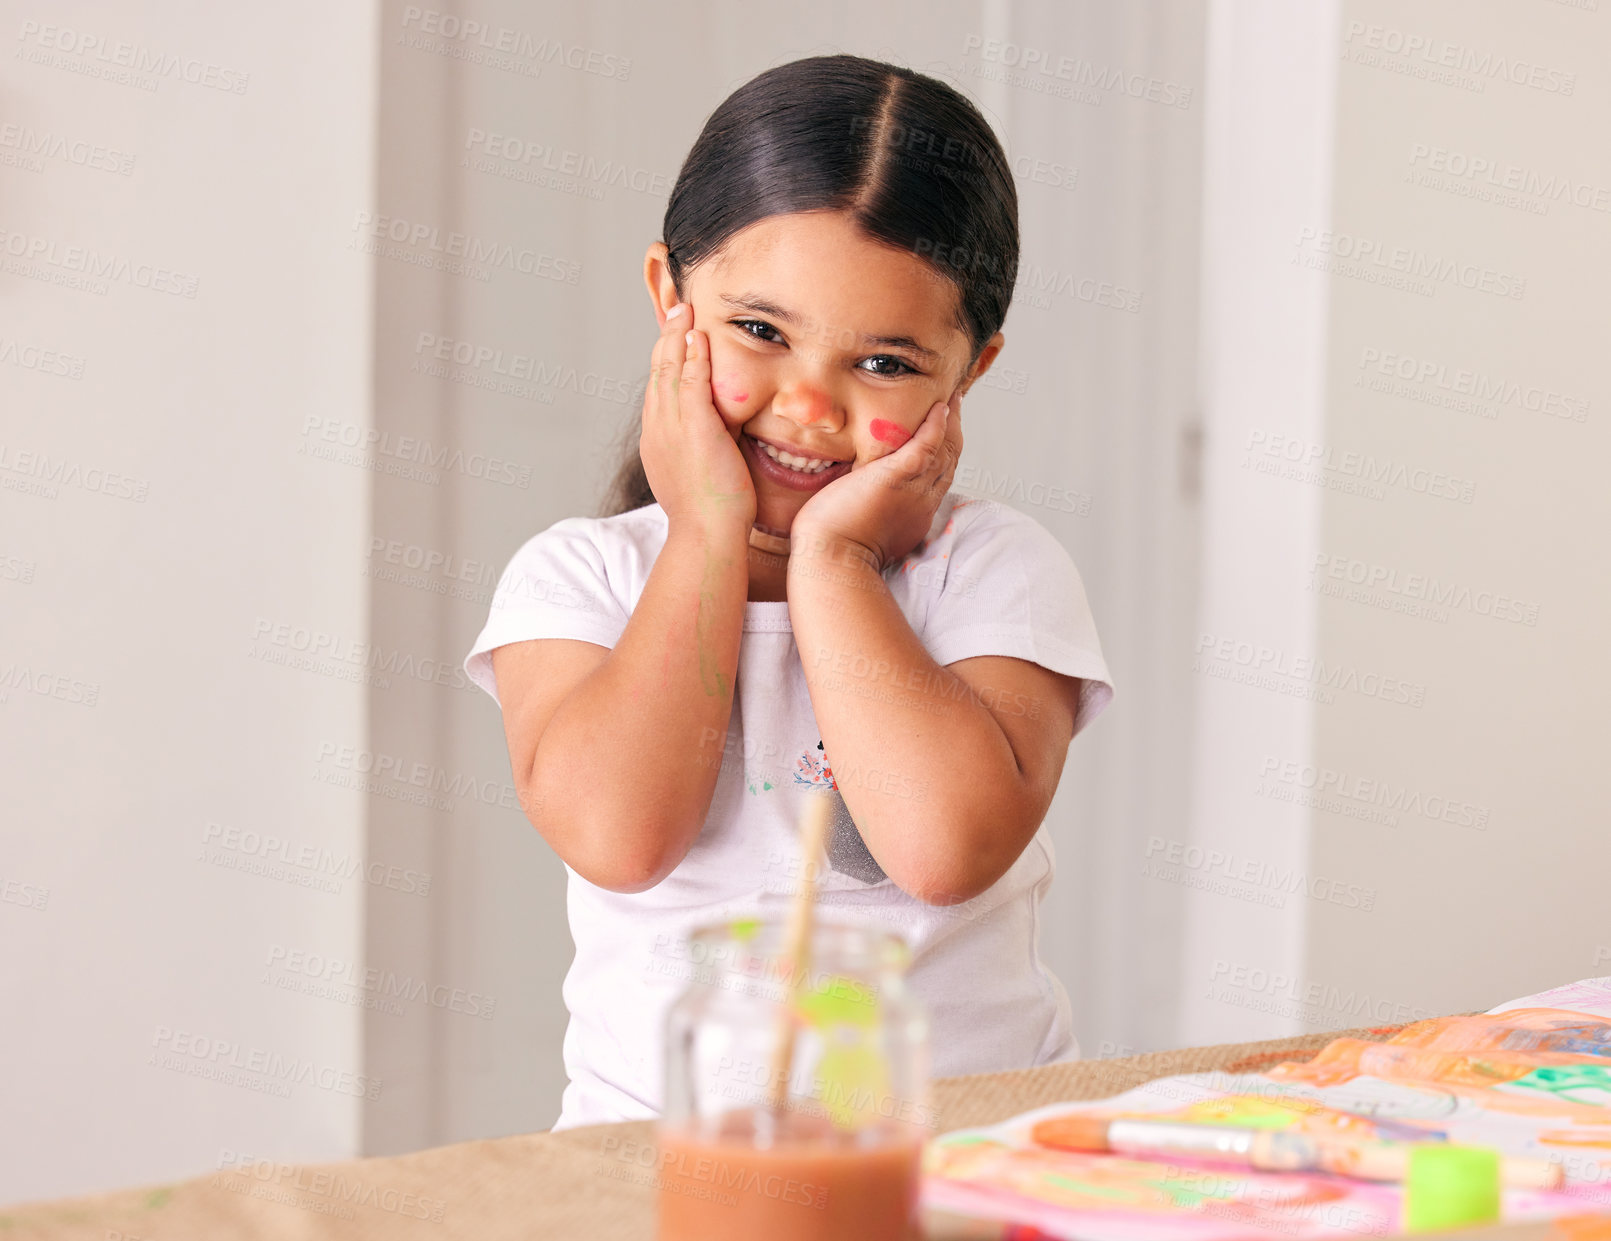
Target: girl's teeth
{"x":804,"y":465}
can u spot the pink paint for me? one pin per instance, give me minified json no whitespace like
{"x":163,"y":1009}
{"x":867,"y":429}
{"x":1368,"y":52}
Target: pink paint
{"x":887,"y":432}
{"x":729,"y":392}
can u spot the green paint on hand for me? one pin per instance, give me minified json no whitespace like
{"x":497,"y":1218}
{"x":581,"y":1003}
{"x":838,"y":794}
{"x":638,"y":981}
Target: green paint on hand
{"x":158,"y":1197}
{"x":743,"y":929}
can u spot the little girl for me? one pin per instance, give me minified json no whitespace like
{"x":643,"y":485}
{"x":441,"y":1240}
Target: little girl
{"x":785,"y":596}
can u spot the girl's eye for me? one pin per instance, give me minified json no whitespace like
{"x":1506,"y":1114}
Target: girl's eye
{"x":744,"y":325}
{"x":906,"y":369}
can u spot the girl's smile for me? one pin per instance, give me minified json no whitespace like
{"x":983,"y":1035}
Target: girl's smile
{"x":792,"y":467}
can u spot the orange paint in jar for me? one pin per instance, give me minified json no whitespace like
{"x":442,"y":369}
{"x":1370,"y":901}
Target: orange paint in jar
{"x":801,"y":1180}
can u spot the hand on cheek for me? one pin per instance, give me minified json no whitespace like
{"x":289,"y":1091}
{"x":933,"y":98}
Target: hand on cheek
{"x":887,"y":506}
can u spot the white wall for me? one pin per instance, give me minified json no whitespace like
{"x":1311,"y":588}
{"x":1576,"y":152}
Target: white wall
{"x":1491,"y":883}
{"x":1267,"y":171}
{"x":1398,"y":813}
{"x":137,"y":707}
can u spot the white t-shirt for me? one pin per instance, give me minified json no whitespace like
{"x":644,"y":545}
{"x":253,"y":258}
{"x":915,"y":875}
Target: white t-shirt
{"x":989,"y":580}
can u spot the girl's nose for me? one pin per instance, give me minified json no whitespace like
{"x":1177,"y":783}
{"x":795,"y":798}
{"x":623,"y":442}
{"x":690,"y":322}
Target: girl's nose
{"x":808,"y":405}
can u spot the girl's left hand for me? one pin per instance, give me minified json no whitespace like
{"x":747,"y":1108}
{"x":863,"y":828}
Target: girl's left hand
{"x":887,"y":506}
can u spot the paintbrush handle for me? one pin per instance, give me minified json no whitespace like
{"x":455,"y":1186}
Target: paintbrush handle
{"x":1278,"y":1150}
{"x":796,"y":948}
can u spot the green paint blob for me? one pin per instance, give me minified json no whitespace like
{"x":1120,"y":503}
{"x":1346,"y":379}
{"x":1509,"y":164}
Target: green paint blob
{"x":1577,"y":1083}
{"x":839,"y":1001}
{"x":851,"y":1075}
{"x":850,"y":1081}
{"x":1450,"y":1185}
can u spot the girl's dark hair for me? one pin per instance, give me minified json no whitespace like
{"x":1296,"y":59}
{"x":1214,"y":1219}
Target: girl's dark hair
{"x":909,"y":157}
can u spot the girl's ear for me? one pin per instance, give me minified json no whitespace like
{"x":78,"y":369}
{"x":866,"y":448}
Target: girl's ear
{"x":657,"y":278}
{"x":987,"y":355}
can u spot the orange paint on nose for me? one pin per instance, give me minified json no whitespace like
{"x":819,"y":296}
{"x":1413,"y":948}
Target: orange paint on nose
{"x":803,"y":403}
{"x":887,"y":432}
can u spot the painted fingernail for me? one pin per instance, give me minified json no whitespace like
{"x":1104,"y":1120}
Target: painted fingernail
{"x":675,"y":311}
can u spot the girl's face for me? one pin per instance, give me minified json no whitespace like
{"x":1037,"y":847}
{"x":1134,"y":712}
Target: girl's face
{"x":824,"y":344}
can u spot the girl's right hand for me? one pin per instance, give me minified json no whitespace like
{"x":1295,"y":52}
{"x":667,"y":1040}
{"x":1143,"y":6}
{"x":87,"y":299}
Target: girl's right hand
{"x":690,"y":457}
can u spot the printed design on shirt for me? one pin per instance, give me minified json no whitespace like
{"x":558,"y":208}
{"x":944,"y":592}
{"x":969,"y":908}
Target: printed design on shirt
{"x":847,"y":851}
{"x":812,"y":770}
{"x":757,"y":784}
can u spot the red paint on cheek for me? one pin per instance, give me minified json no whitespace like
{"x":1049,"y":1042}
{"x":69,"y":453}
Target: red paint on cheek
{"x":730,"y":391}
{"x":887,"y":432}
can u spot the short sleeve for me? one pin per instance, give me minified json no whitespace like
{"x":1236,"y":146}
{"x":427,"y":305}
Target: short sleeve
{"x":1010,"y":588}
{"x":555,"y":586}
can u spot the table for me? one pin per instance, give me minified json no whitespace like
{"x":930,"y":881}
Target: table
{"x":589,"y":1183}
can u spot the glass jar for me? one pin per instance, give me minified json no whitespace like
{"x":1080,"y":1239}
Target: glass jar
{"x":833,"y":1147}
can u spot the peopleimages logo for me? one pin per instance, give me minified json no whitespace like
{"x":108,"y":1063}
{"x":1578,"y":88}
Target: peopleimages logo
{"x":458,"y":253}
{"x":1441,"y":54}
{"x":46,"y":473}
{"x":144,"y":66}
{"x":282,"y":1182}
{"x":1365,"y":467}
{"x":31,"y":357}
{"x":420,"y":775}
{"x":538,"y":158}
{"x":361,"y":656}
{"x":1221,"y":870}
{"x":1503,"y":177}
{"x":1260,"y":659}
{"x":253,"y":1068}
{"x":309,"y":866}
{"x":1445,"y":383}
{"x":1416,"y":270}
{"x":1332,"y":790}
{"x":373,"y":446}
{"x":1076,"y":71}
{"x":38,"y":145}
{"x":287,"y":964}
{"x":513,"y":373}
{"x":1251,"y":986}
{"x":475,"y":38}
{"x":1420,"y":588}
{"x":78,"y":266}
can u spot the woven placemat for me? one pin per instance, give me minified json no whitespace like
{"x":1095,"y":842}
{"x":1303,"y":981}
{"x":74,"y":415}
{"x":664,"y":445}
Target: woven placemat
{"x":595,"y":1183}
